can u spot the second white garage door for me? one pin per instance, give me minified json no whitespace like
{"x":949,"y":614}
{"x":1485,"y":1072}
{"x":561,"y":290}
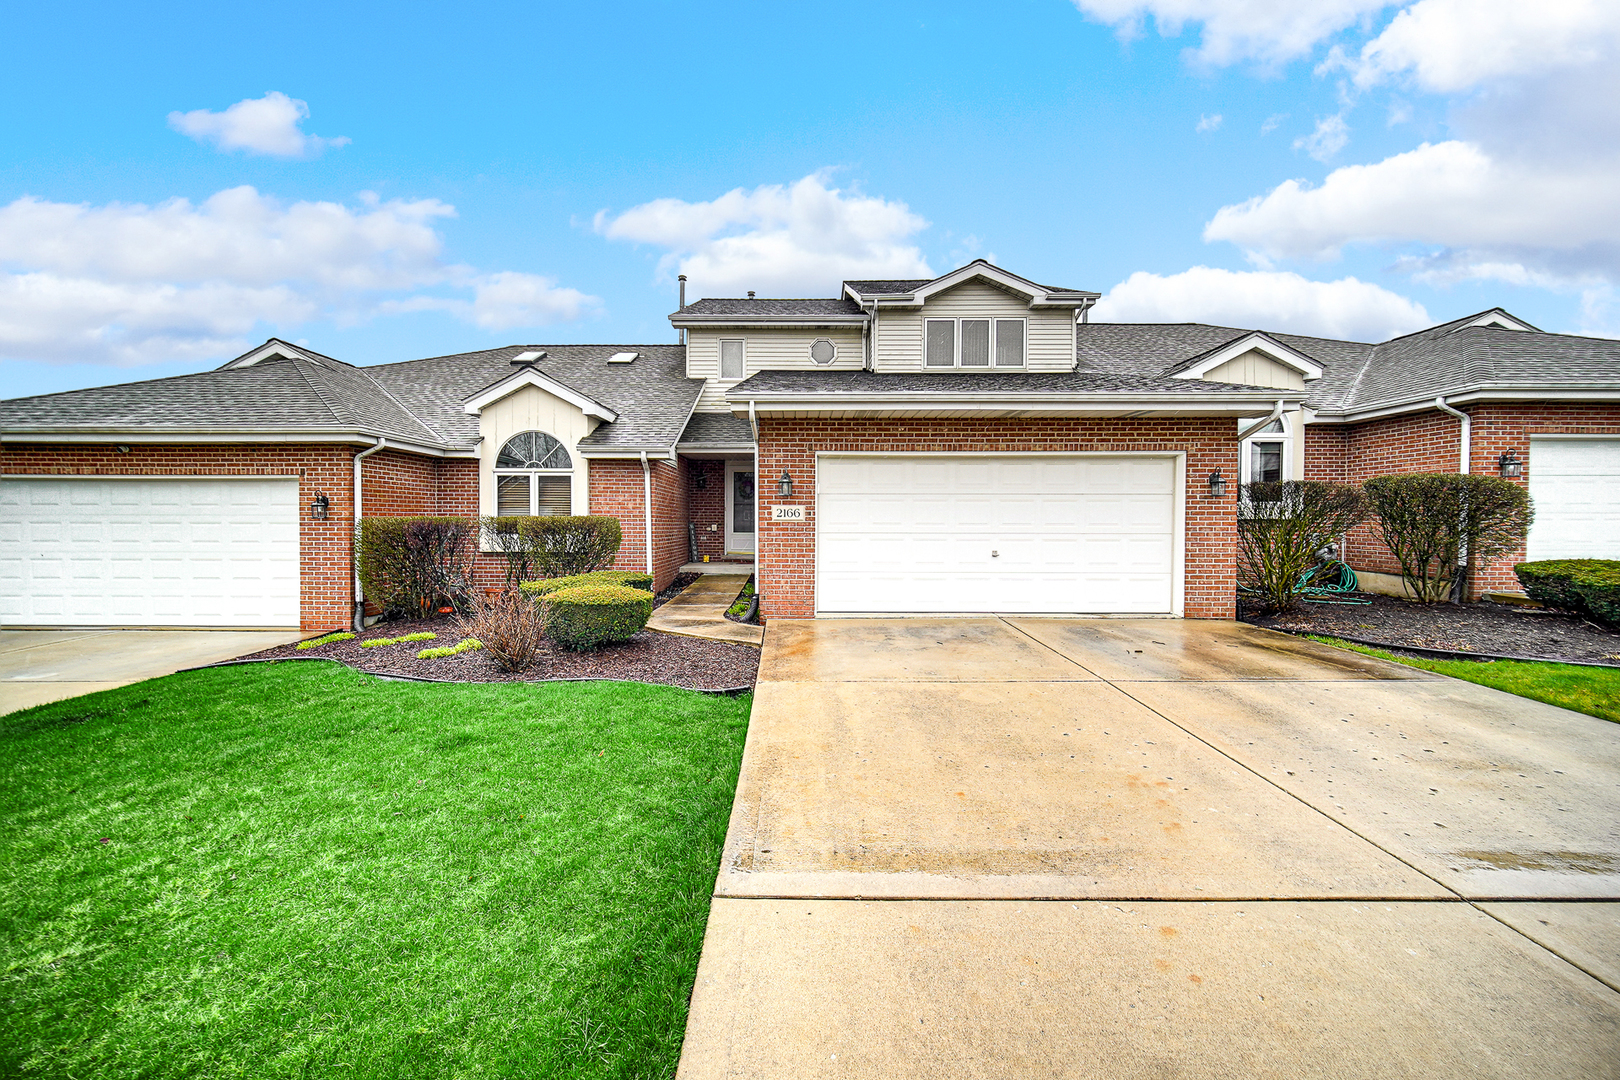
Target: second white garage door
{"x":1576,"y":487}
{"x":997,"y":533}
{"x":188,"y":551}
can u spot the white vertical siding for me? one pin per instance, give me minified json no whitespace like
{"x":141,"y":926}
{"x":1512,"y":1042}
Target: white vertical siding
{"x":1050,"y":332}
{"x":766,"y":349}
{"x":530,"y":408}
{"x":1255,"y":368}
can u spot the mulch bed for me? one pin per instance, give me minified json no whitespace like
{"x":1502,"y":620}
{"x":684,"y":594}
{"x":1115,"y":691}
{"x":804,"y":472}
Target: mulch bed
{"x":1485,"y":627}
{"x":649,"y":657}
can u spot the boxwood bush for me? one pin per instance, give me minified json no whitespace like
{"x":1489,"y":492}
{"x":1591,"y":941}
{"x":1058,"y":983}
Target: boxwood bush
{"x":553,"y":546}
{"x":584,"y":616}
{"x":630,"y":579}
{"x":1590,"y":587}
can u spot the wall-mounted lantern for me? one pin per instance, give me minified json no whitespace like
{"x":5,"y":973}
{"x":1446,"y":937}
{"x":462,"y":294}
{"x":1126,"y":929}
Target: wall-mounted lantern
{"x":319,"y":507}
{"x":702,"y":481}
{"x":784,"y":486}
{"x":1217,"y":484}
{"x":1509,"y":464}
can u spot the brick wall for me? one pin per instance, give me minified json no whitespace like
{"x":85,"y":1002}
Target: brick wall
{"x":671,"y":508}
{"x":616,"y":491}
{"x":708,"y":504}
{"x":1430,"y":442}
{"x":787,"y":549}
{"x":327,"y":565}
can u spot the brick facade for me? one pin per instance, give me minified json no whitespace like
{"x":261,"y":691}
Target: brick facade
{"x":325,"y":552}
{"x":1430,"y":441}
{"x":787,"y":549}
{"x":708,"y":504}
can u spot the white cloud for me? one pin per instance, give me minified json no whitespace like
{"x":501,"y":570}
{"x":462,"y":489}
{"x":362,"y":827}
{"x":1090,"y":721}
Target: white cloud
{"x":796,"y":239}
{"x":130,"y":284}
{"x":1328,"y":139}
{"x":1451,"y":195}
{"x":267,"y":125}
{"x":1209,"y":123}
{"x":1448,"y":46}
{"x":1270,"y":123}
{"x":1270,"y":31}
{"x":1264,"y":300}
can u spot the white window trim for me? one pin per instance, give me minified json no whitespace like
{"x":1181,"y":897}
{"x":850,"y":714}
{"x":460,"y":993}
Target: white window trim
{"x":811,"y":352}
{"x":720,"y":363}
{"x":956,"y":343}
{"x":1285,"y":437}
{"x":534,"y":488}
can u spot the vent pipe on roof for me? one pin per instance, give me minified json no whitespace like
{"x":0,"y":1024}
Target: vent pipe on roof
{"x":682,"y":279}
{"x":750,"y":294}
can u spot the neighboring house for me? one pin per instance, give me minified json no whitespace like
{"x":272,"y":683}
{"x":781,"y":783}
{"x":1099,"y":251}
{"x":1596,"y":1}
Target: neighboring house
{"x":969,"y":443}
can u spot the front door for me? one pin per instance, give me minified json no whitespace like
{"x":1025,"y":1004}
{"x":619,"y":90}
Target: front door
{"x":740,"y":507}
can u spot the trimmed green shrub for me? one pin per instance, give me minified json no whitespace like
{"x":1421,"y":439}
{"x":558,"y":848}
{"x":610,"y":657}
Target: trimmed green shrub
{"x":341,"y":635}
{"x":585,"y":616}
{"x":1437,"y":523}
{"x":1281,"y":527}
{"x":424,"y":635}
{"x":449,"y":650}
{"x":630,"y":579}
{"x":1590,"y":587}
{"x":547,"y":547}
{"x":413,"y":565}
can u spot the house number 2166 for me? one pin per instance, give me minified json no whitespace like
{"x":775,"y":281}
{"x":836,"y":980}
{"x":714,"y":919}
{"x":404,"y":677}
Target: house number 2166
{"x":787,"y":513}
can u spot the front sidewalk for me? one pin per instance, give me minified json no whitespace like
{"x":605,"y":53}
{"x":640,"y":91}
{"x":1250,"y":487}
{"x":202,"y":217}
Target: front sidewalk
{"x":1153,"y":848}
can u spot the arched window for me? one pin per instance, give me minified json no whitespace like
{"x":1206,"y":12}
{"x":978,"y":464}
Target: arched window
{"x":534,"y":476}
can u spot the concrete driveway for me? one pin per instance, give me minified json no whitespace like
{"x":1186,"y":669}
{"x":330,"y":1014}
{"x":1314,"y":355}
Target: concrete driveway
{"x":38,"y":666}
{"x":1153,"y":848}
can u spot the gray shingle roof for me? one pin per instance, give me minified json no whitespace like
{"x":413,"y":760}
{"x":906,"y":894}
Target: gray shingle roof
{"x":716,"y":429}
{"x":876,"y":287}
{"x":652,"y":396}
{"x":981,"y":382}
{"x":284,"y":394}
{"x":763,"y":306}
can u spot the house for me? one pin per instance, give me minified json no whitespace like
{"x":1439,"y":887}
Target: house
{"x":967,"y":443}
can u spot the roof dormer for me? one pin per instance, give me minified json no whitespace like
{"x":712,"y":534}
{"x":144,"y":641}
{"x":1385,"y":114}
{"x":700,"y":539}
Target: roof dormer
{"x":1255,"y":359}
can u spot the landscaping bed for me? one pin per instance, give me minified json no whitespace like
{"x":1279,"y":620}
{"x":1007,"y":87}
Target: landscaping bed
{"x":648,"y":657}
{"x":1483,"y":628}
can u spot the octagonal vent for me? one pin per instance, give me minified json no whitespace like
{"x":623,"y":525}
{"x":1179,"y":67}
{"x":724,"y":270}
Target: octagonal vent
{"x":823,"y":351}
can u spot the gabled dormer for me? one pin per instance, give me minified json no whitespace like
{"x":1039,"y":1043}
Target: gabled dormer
{"x":1255,"y":359}
{"x":1498,"y":319}
{"x":276,"y":350}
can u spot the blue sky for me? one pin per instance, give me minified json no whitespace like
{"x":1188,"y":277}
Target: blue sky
{"x":489,"y":174}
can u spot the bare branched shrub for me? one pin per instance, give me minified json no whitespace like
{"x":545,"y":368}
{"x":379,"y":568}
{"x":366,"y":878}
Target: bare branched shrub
{"x":1436,"y":523}
{"x":508,"y":626}
{"x":1281,"y":527}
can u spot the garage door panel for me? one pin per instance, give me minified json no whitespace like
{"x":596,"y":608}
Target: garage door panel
{"x":150,"y":552}
{"x":1575,"y":484}
{"x":1091,"y":535}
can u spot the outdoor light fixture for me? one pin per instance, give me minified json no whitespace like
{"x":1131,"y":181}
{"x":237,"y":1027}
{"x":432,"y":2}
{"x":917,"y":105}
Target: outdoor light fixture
{"x":702,"y":481}
{"x":784,"y":486}
{"x":1217,"y":484}
{"x":319,"y":507}
{"x":1509,"y":464}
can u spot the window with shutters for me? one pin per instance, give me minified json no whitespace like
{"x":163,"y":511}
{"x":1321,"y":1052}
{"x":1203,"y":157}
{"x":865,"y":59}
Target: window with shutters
{"x":974,"y":344}
{"x":534,"y":477}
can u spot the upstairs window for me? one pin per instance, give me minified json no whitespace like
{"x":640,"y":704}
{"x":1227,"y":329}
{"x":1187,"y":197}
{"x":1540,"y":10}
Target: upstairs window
{"x":974,"y":343}
{"x":733,"y":364}
{"x":534,"y":477}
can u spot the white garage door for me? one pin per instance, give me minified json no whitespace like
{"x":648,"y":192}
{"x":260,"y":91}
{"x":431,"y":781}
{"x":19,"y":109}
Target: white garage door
{"x":1576,"y":487}
{"x":1002,"y":533}
{"x":96,"y":551}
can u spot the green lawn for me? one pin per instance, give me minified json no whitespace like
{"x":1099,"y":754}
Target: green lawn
{"x":299,"y":870}
{"x":1594,"y":691}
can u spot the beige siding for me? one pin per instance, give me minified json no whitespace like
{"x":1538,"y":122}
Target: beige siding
{"x":1049,"y":333}
{"x":1255,"y":368}
{"x":764,"y":349}
{"x":532,"y":409}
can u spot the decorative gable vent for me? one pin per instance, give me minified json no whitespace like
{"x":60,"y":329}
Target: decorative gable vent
{"x":823,"y":351}
{"x":623,"y":358}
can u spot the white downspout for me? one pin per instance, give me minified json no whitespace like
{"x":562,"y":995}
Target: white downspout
{"x":646,"y":503}
{"x":1276,"y":411}
{"x":359,"y":503}
{"x":1464,"y":461}
{"x":759,"y":539}
{"x":1465,"y":453}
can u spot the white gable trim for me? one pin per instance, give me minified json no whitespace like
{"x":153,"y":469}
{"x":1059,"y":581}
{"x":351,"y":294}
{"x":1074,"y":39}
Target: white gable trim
{"x":1502,"y":320}
{"x":276,"y":347}
{"x":1037,"y":295}
{"x":1260,"y":343}
{"x":530,"y":377}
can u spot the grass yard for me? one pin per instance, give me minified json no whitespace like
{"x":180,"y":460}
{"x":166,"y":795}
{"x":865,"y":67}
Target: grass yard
{"x":1591,"y":690}
{"x":300,"y":870}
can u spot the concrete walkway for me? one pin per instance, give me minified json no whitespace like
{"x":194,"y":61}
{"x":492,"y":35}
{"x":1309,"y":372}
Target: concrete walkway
{"x":39,"y":666}
{"x":992,"y":848}
{"x":700,"y":611}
